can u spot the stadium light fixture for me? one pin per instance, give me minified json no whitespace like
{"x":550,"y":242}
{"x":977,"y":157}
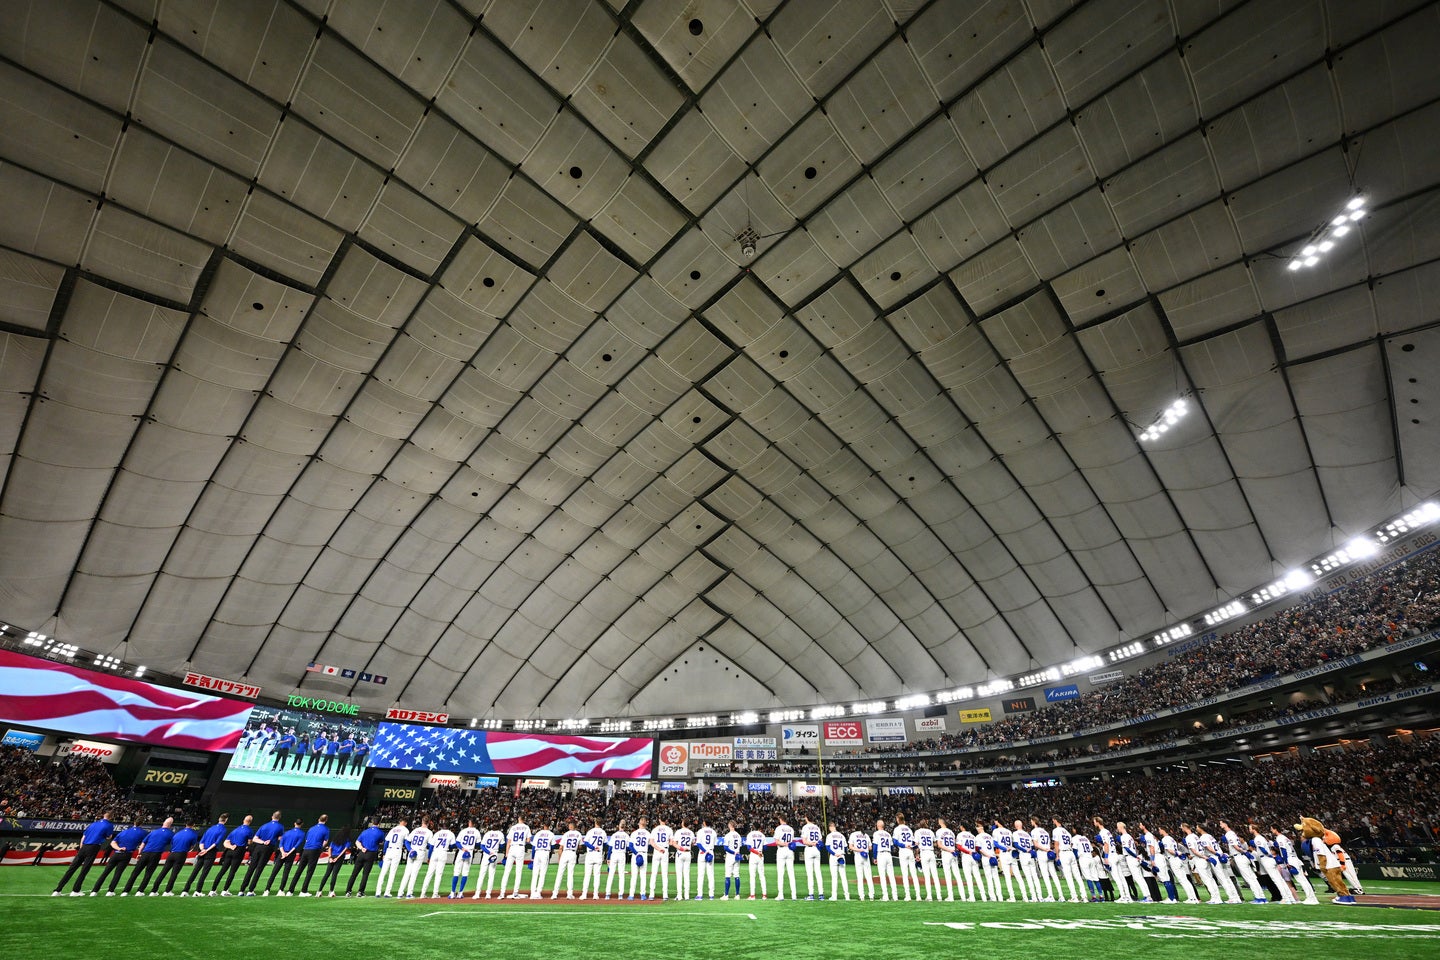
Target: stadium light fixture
{"x":1229,"y":611}
{"x":913,"y":702}
{"x":1426,"y":513}
{"x":1083,"y":665}
{"x":1168,"y":418}
{"x":826,"y":713}
{"x":1178,"y":632}
{"x":1125,"y":652}
{"x":994,"y":687}
{"x":1322,"y":241}
{"x":875,"y":706}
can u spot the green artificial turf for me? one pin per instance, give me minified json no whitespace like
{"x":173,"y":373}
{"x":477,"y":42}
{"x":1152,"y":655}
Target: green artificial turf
{"x":214,"y":928}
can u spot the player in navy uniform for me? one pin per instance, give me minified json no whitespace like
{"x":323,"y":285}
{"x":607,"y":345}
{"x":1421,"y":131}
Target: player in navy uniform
{"x":283,"y":746}
{"x":262,"y":845}
{"x":92,"y":841}
{"x":205,"y":856}
{"x":122,"y":848}
{"x":339,"y":852}
{"x":367,"y":849}
{"x":287,"y":854}
{"x":234,"y":843}
{"x":315,"y":840}
{"x":180,"y":846}
{"x":152,"y":848}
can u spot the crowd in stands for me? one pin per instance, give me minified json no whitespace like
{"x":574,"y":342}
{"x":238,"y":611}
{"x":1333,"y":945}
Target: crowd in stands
{"x":72,"y":788}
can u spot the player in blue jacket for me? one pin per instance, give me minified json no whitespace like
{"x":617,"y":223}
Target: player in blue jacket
{"x":234,"y":843}
{"x":122,"y":848}
{"x":180,"y":846}
{"x":206,"y":854}
{"x":152,"y":848}
{"x":315,"y":840}
{"x":92,"y":841}
{"x":287,"y":854}
{"x":367,"y":850}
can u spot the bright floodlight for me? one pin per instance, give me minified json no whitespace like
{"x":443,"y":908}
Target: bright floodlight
{"x":1340,"y":231}
{"x":1361,"y":547}
{"x":1298,"y":579}
{"x":1356,"y":214}
{"x":1311,"y":261}
{"x":1355,"y":203}
{"x":1294,"y":265}
{"x":1308,"y":250}
{"x":1326,"y":246}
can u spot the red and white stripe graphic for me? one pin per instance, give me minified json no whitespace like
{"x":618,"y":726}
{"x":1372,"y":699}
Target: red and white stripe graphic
{"x":519,"y":754}
{"x":55,"y":696}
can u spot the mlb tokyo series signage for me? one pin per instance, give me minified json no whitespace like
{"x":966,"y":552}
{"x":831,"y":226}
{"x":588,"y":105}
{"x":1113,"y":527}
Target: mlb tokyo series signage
{"x":980,"y":715}
{"x":710,"y":752}
{"x":23,"y":739}
{"x":844,"y":733}
{"x":754,"y":743}
{"x":796,"y":738}
{"x":674,"y":759}
{"x":1019,"y":704}
{"x":104,"y":752}
{"x":1061,"y":694}
{"x":924,"y":725}
{"x":221,"y":685}
{"x":885,"y":730}
{"x":416,"y":716}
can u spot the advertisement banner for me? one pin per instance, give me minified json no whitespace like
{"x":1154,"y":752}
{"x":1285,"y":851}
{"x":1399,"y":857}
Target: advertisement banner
{"x":1019,"y":704}
{"x":442,"y":780}
{"x":760,"y":787}
{"x":299,"y":748}
{"x":901,"y":791}
{"x":586,"y":785}
{"x":1061,"y":694}
{"x":806,"y":789}
{"x":221,"y":685}
{"x":481,"y":782}
{"x":23,"y":739}
{"x":723,"y":787}
{"x":980,"y":715}
{"x":56,"y":696}
{"x":844,"y":733}
{"x":711,"y":752}
{"x":674,"y":759}
{"x":94,"y":750}
{"x":1109,"y":676}
{"x":161,"y":777}
{"x":754,"y":743}
{"x":929,"y":725}
{"x":757,"y":754}
{"x":632,"y":787}
{"x":416,"y":716}
{"x":886,"y":730}
{"x":806,"y":736}
{"x":402,"y":746}
{"x":394,"y":794}
{"x":532,"y":783}
{"x":672,"y":786}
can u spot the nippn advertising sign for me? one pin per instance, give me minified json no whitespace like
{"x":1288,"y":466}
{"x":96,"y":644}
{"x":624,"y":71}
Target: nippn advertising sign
{"x":711,"y":752}
{"x":844,"y":733}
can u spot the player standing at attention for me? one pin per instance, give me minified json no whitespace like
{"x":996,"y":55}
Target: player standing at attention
{"x":287,"y":854}
{"x":684,"y":843}
{"x":755,"y":843}
{"x":234,"y":843}
{"x":466,"y":843}
{"x":316,"y":837}
{"x":1064,"y":845}
{"x":1025,"y":856}
{"x":1264,"y":849}
{"x":1177,"y":856}
{"x":734,"y":849}
{"x":594,"y":844}
{"x":1089,"y":867}
{"x":989,"y":860}
{"x":152,"y":848}
{"x":440,"y":843}
{"x":339,"y":850}
{"x":880,"y":844}
{"x":706,"y":842}
{"x":92,"y":841}
{"x":517,"y":838}
{"x":367,"y":848}
{"x":210,"y":848}
{"x":394,"y":853}
{"x":492,"y":846}
{"x":1108,"y":853}
{"x":812,"y":841}
{"x":1130,"y":854}
{"x":281,"y":754}
{"x":1005,"y":853}
{"x":262,"y":845}
{"x":1216,"y":857}
{"x":836,"y":843}
{"x":1292,"y":864}
{"x":639,"y":850}
{"x":660,"y":839}
{"x":1243,"y":861}
{"x":949,"y":868}
{"x":925,"y":846}
{"x":1045,"y":860}
{"x":864,"y":883}
{"x":904,"y":842}
{"x":619,"y":843}
{"x":569,"y":853}
{"x":180,"y":846}
{"x":417,"y":852}
{"x":784,"y":859}
{"x":543,"y":842}
{"x":1158,"y":863}
{"x":968,"y":854}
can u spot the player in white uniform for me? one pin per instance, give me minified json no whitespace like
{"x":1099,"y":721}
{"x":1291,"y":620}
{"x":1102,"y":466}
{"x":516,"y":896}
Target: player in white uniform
{"x":967,"y":853}
{"x":542,"y":843}
{"x":949,"y":866}
{"x":925,"y":848}
{"x":755,"y":842}
{"x":835,"y":842}
{"x":1130,"y":852}
{"x":660,"y":840}
{"x":734,"y":850}
{"x":466,"y":843}
{"x":1108,"y":853}
{"x":904,"y":841}
{"x":418,"y":852}
{"x":864,"y":883}
{"x":619,"y":846}
{"x":639,"y":850}
{"x":1264,"y":849}
{"x":784,"y":859}
{"x":1005,"y":854}
{"x":989,"y":861}
{"x":1217,"y":858}
{"x":880,"y":843}
{"x":707,"y":841}
{"x":812,"y":841}
{"x":1064,"y":844}
{"x":391,"y":859}
{"x":1089,"y":866}
{"x":1045,"y":860}
{"x":517,"y":838}
{"x":1291,"y":863}
{"x":594,"y":846}
{"x":1177,"y":857}
{"x":440,"y":843}
{"x":569,"y":844}
{"x":1200,"y":863}
{"x":1024,"y":845}
{"x":684,"y":844}
{"x":1153,"y":859}
{"x":1243,"y":861}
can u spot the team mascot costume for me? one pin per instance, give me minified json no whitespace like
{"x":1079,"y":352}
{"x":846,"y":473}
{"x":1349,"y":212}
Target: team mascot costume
{"x":1323,"y":842}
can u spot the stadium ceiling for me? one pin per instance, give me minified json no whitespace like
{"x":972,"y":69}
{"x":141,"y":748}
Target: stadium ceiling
{"x":423,"y":339}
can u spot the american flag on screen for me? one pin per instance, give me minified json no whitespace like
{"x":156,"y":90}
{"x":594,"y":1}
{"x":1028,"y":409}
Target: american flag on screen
{"x":406,"y":746}
{"x":57,"y":696}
